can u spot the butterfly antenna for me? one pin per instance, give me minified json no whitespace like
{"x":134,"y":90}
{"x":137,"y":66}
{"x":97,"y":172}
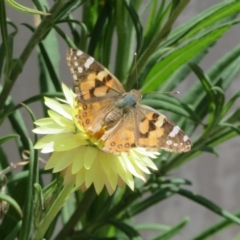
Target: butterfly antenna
{"x":135,"y":61}
{"x":173,"y":92}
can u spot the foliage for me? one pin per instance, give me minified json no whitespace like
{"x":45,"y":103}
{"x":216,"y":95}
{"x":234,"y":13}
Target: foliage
{"x":165,"y":57}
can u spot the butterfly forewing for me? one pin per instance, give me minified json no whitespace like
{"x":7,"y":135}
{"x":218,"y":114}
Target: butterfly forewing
{"x":92,"y":81}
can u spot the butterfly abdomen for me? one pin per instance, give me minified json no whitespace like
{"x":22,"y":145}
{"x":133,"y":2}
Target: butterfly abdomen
{"x":121,"y":106}
{"x":113,"y":117}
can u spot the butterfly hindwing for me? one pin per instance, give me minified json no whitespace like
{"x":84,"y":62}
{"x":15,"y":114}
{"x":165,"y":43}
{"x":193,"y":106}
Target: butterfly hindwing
{"x":90,"y":116}
{"x":156,"y":131}
{"x":121,"y":138}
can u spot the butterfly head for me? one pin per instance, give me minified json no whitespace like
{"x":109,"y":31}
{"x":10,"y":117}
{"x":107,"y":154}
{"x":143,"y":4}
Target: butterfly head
{"x":137,"y":94}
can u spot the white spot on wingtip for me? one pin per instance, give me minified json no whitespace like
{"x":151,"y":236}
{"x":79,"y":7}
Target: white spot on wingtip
{"x":175,"y":144}
{"x":169,"y":142}
{"x":159,"y":122}
{"x":174,"y":132}
{"x":75,"y":77}
{"x":80,"y":69}
{"x":76,"y":64}
{"x":185,"y":138}
{"x":79,"y":53}
{"x":89,"y":61}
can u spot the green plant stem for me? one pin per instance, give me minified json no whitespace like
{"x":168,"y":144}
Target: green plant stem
{"x":155,"y":43}
{"x":89,"y":196}
{"x":53,"y":211}
{"x":4,"y":32}
{"x":28,"y":209}
{"x":124,"y":42}
{"x":216,"y":228}
{"x":37,"y":36}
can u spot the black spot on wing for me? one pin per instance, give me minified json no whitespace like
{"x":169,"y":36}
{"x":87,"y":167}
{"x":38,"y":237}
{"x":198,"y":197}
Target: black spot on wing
{"x":99,"y":83}
{"x":91,"y":92}
{"x":155,"y":116}
{"x":144,"y":135}
{"x":107,"y":78}
{"x":151,"y":126}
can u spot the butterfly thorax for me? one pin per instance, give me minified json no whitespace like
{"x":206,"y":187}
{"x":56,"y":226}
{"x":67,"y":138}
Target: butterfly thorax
{"x":128,"y":100}
{"x":122,"y":106}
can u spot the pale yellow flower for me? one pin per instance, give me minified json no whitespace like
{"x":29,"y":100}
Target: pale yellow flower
{"x":79,"y":157}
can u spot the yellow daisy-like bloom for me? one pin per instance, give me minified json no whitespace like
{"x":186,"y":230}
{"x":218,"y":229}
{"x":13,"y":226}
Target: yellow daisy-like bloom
{"x":79,"y":157}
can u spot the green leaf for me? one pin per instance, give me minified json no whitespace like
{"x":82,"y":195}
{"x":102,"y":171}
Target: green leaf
{"x":216,"y":228}
{"x":209,"y":150}
{"x":124,"y":41}
{"x":136,"y":22}
{"x":158,"y":196}
{"x":165,"y":102}
{"x":18,"y":177}
{"x":128,"y":230}
{"x":223,"y":12}
{"x":181,"y":74}
{"x":207,"y":18}
{"x":64,"y":36}
{"x":156,"y":56}
{"x":8,"y":137}
{"x":79,"y":212}
{"x":230,"y":103}
{"x":12,"y":202}
{"x":69,"y":7}
{"x":164,"y":69}
{"x":99,"y":27}
{"x":14,"y":232}
{"x":28,"y":208}
{"x":156,"y":227}
{"x":231,"y":126}
{"x":172,"y":231}
{"x":210,"y":205}
{"x":205,"y":80}
{"x":157,"y":40}
{"x":52,"y":212}
{"x":18,"y":124}
{"x":106,"y":42}
{"x":22,"y":8}
{"x":155,"y":21}
{"x":48,"y":70}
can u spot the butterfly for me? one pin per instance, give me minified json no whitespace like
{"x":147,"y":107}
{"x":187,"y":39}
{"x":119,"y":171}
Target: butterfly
{"x":104,"y":104}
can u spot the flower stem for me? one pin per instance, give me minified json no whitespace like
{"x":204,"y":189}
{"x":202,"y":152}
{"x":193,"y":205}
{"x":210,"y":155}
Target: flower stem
{"x":89,"y":196}
{"x":53,"y":211}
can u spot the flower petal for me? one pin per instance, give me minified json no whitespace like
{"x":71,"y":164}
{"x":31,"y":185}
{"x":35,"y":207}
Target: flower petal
{"x":125,"y":175}
{"x":69,"y":95}
{"x":61,"y":121}
{"x":59,"y":142}
{"x":105,"y":160}
{"x":62,"y":109}
{"x":43,"y":122}
{"x":80,"y":177}
{"x":60,"y":160}
{"x":90,"y":156}
{"x":78,"y":159}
